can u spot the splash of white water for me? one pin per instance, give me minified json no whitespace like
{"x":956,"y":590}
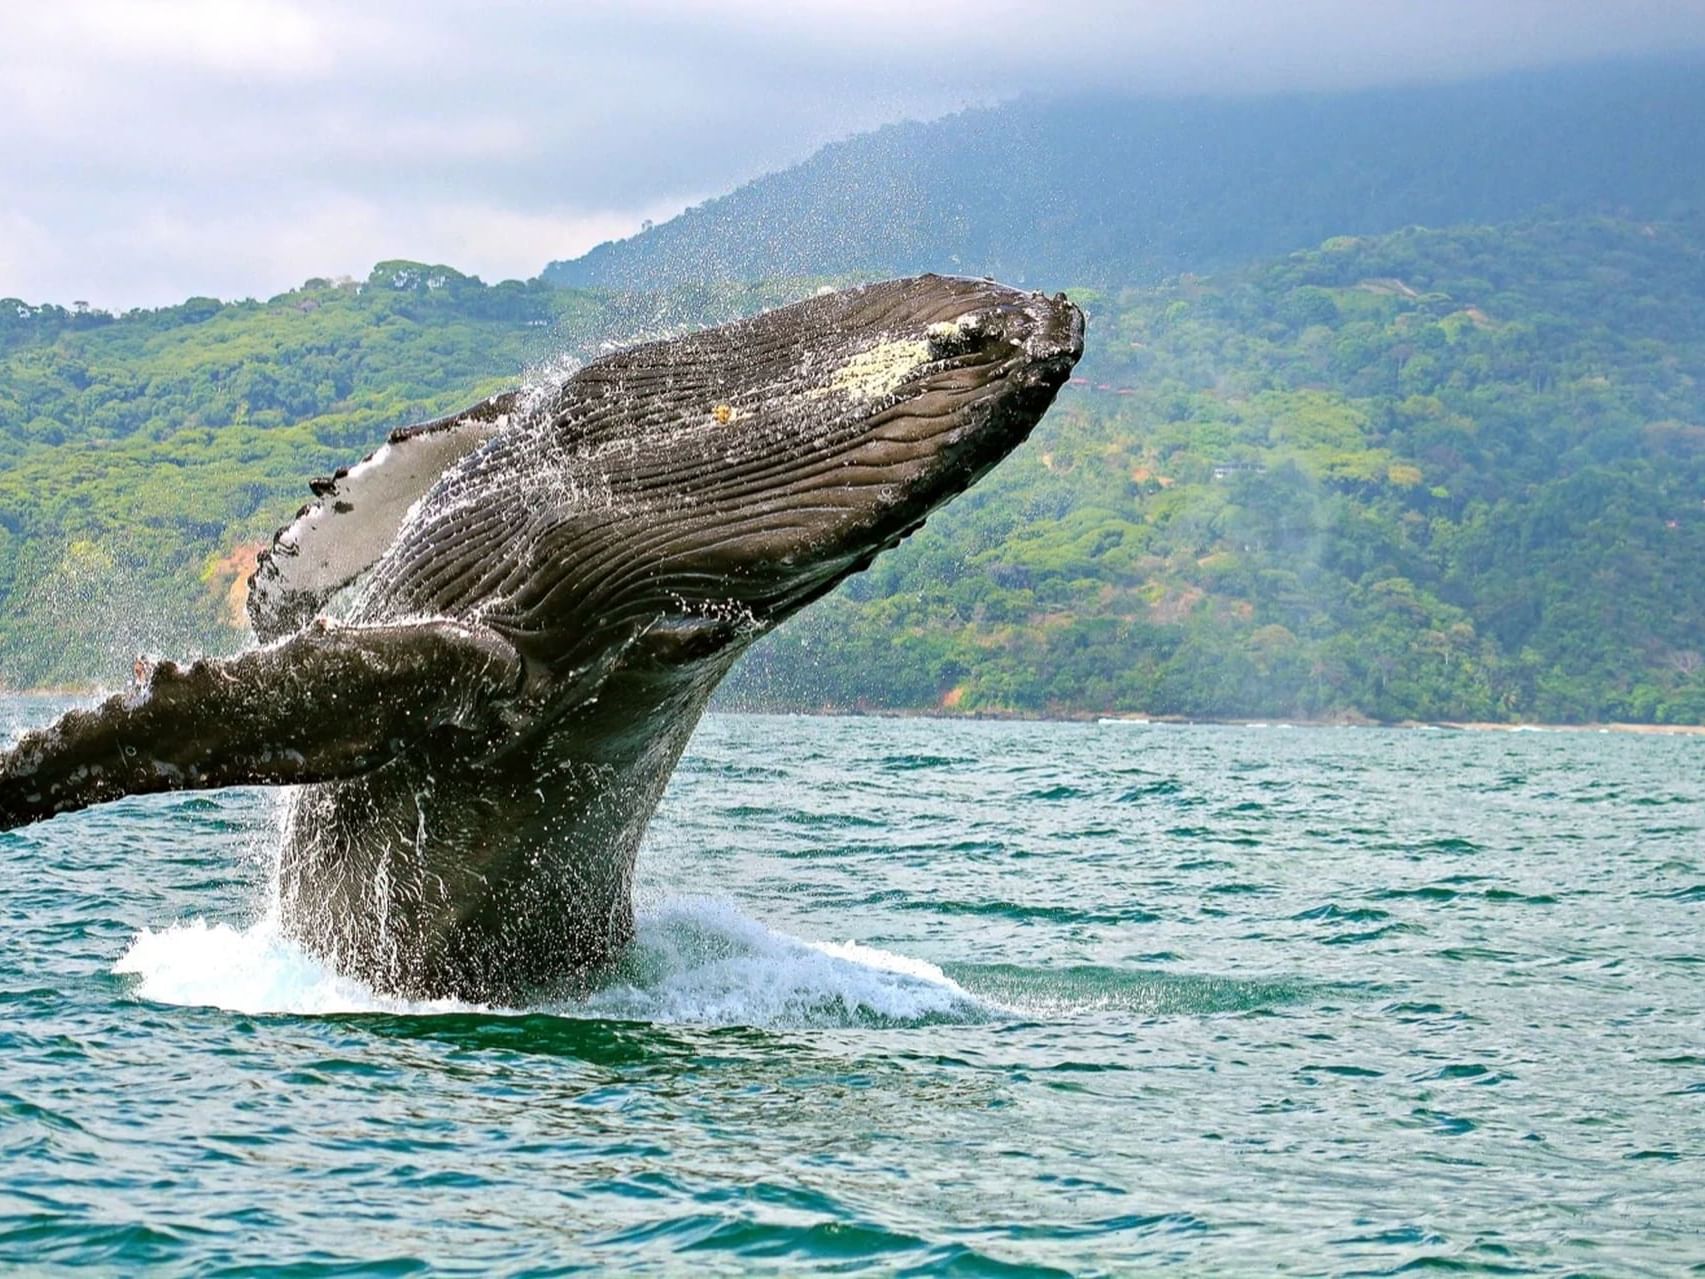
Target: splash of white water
{"x":694,"y":960}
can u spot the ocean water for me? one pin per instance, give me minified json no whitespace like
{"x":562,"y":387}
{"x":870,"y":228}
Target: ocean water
{"x":917,"y":997}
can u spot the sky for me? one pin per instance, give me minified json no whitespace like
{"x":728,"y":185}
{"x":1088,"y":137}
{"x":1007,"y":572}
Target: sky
{"x":151,"y":150}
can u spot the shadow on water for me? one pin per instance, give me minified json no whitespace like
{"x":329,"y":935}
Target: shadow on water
{"x":540,"y":1034}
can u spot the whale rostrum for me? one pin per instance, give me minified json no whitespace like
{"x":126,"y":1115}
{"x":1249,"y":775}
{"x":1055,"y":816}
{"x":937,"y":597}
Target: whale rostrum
{"x":535,"y":598}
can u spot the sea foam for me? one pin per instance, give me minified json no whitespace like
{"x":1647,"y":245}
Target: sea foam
{"x":695,"y":960}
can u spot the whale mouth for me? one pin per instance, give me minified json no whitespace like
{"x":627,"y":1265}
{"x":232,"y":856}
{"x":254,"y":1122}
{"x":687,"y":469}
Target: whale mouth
{"x":943,"y":403}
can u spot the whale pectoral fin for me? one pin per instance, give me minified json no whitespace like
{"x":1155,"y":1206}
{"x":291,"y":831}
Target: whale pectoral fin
{"x":356,"y":514}
{"x":326,"y":703}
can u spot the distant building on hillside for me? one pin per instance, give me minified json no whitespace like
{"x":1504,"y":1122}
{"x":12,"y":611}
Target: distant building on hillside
{"x":1225,"y":470}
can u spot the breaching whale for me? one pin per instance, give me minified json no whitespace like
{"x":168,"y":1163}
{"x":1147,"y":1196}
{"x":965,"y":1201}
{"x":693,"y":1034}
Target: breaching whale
{"x":535,"y":598}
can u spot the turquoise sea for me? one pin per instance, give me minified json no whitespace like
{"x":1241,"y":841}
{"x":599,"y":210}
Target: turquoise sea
{"x":917,"y":997}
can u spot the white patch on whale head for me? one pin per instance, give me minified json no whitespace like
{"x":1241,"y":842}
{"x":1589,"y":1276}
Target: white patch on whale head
{"x":875,"y":372}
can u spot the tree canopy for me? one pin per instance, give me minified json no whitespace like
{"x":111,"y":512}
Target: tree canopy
{"x":1433,"y":474}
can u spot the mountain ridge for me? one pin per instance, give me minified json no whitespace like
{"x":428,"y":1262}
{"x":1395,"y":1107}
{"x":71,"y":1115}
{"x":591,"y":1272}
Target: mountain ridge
{"x":1450,"y":474}
{"x":1102,"y":189}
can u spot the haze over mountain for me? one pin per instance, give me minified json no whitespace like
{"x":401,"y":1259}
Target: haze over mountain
{"x":1103,"y":189}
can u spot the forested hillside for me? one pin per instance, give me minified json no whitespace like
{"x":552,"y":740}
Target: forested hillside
{"x":1432,"y":474}
{"x":146,"y":455}
{"x":1438,"y":474}
{"x":1118,"y":191}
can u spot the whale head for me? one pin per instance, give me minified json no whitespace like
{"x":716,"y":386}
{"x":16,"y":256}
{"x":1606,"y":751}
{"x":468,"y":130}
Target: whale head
{"x":725,"y":479}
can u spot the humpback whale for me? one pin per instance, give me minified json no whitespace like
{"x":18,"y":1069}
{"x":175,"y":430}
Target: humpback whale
{"x":482,"y":649}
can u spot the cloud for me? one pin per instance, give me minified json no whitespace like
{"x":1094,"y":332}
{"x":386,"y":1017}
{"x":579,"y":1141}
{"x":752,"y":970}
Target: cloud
{"x":159,"y":148}
{"x":168,"y":254}
{"x":260,"y":37}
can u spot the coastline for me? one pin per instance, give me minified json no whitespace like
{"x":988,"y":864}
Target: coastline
{"x":1656,"y":730}
{"x":1110,"y":718}
{"x":1137,"y":719}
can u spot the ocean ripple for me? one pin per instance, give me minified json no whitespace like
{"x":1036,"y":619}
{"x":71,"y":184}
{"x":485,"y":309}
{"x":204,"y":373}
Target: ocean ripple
{"x":914,"y":998}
